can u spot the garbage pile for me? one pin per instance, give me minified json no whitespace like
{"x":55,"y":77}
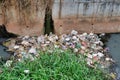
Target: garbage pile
{"x":89,"y":45}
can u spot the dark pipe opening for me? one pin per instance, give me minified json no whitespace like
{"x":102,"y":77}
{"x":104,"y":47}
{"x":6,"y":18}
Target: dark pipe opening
{"x":48,"y":23}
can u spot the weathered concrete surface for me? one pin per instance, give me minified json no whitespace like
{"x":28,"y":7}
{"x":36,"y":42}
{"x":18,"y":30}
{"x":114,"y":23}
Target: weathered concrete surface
{"x":65,"y":26}
{"x":86,"y":16}
{"x":32,"y":29}
{"x":26,"y":17}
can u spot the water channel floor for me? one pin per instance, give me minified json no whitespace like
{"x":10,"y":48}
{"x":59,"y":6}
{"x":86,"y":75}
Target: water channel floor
{"x":5,"y":55}
{"x":114,"y":46}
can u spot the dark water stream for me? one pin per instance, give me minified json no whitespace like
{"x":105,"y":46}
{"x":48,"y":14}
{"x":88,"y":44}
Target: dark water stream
{"x":3,"y":54}
{"x":114,"y":46}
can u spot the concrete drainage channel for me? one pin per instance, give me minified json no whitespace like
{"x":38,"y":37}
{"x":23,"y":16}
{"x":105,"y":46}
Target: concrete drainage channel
{"x":67,"y":24}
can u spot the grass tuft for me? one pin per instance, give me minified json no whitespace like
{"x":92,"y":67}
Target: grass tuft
{"x":56,"y":66}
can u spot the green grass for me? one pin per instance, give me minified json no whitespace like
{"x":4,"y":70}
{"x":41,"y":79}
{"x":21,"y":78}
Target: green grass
{"x":56,"y":66}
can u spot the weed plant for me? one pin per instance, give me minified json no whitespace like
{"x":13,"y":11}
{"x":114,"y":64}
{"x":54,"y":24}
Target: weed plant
{"x":57,"y":65}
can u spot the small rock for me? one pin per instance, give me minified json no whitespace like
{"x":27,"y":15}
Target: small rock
{"x":56,"y":37}
{"x":84,"y":34}
{"x":113,"y":76}
{"x":40,"y":39}
{"x":101,"y":43}
{"x":16,"y":47}
{"x":19,"y":55}
{"x":82,"y":37}
{"x":102,"y":66}
{"x":47,"y":42}
{"x":89,"y":61}
{"x":19,"y":60}
{"x":74,"y":38}
{"x":50,"y":38}
{"x":32,"y":50}
{"x":94,"y":55}
{"x":107,"y":59}
{"x":15,"y":54}
{"x":67,"y":39}
{"x":95,"y":58}
{"x":93,"y":46}
{"x":83,"y":47}
{"x":102,"y":34}
{"x":74,"y":32}
{"x":91,"y":34}
{"x":28,"y":56}
{"x":107,"y":49}
{"x":21,"y":48}
{"x":64,"y":47}
{"x":82,"y":51}
{"x":26,"y":43}
{"x":100,"y":54}
{"x":26,"y":37}
{"x":76,"y":50}
{"x":89,"y":56}
{"x":56,"y":46}
{"x":84,"y":44}
{"x":112,"y":60}
{"x":97,"y":42}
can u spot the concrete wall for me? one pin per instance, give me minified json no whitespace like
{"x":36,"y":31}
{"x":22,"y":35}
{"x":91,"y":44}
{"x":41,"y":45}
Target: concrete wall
{"x":26,"y":17}
{"x":87,"y":15}
{"x":23,"y":17}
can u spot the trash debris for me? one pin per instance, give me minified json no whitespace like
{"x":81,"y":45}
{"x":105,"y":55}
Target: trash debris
{"x":16,"y":47}
{"x":113,"y":75}
{"x":107,"y":59}
{"x":75,"y":50}
{"x":32,"y":50}
{"x":8,"y":63}
{"x":73,"y":32}
{"x":27,"y":71}
{"x":89,"y":45}
{"x":100,"y":54}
